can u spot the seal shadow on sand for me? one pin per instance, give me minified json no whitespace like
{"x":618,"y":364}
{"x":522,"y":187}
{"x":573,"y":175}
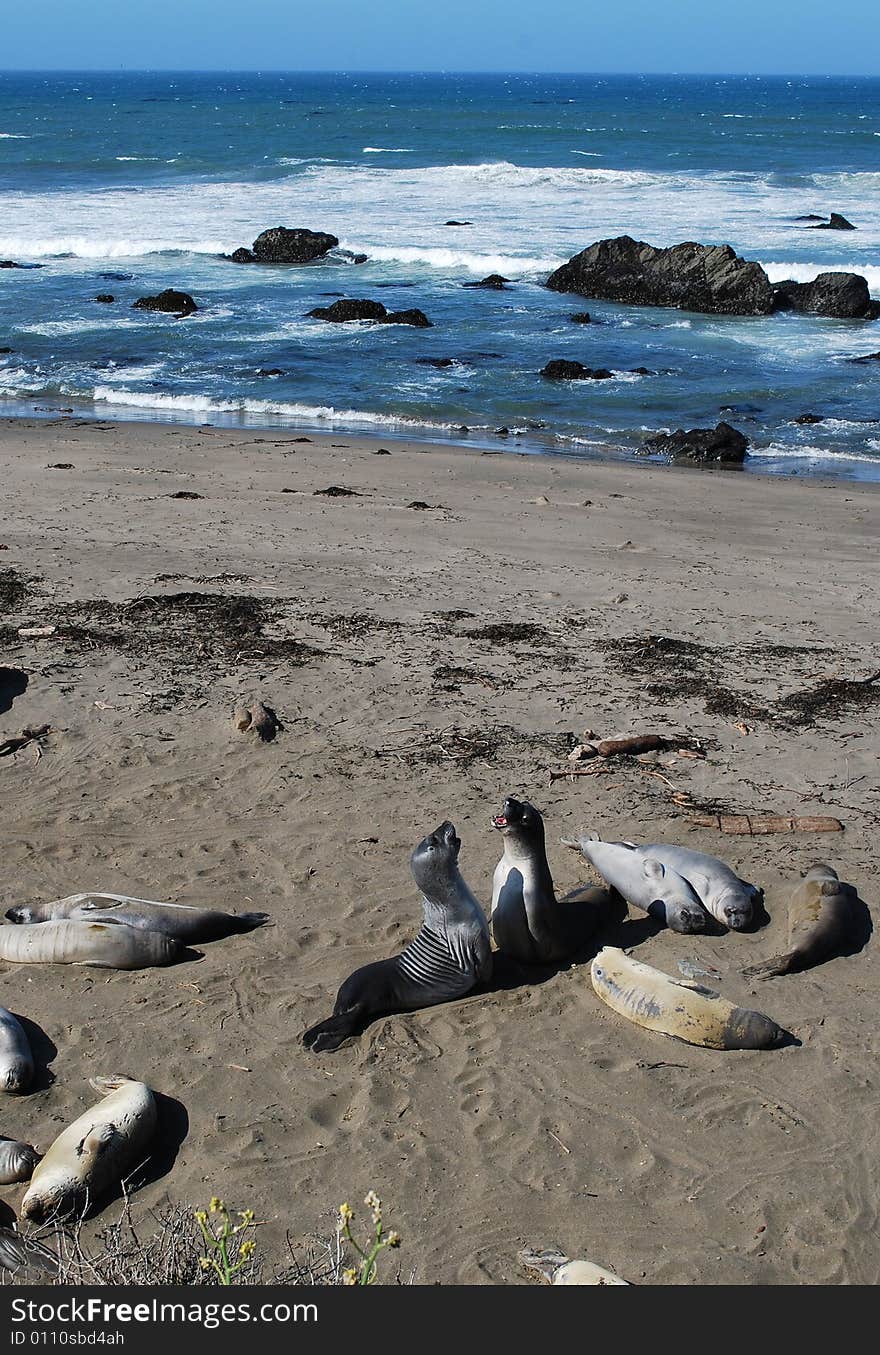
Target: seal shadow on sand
{"x":44,"y":1051}
{"x":861,"y":928}
{"x":13,"y":683}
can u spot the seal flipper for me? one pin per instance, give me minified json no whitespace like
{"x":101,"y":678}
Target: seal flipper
{"x":98,"y":1140}
{"x":18,"y":1252}
{"x":330,"y":1034}
{"x":248,"y":922}
{"x":777,"y":964}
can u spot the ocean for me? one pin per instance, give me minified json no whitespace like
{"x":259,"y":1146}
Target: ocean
{"x":130,"y":183}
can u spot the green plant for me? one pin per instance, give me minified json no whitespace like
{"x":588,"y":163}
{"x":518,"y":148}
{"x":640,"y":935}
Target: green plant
{"x":228,"y":1251}
{"x":366,"y":1270}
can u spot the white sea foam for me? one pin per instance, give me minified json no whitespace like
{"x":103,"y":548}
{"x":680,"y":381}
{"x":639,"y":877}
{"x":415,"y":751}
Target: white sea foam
{"x":86,"y":247}
{"x":204,"y":404}
{"x":453,"y":260}
{"x":806,"y":272}
{"x":387,"y":150}
{"x":783,"y":451}
{"x":14,"y":136}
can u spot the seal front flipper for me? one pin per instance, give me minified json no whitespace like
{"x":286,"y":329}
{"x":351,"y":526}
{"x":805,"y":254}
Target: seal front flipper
{"x":330,"y":1034}
{"x":98,"y":1140}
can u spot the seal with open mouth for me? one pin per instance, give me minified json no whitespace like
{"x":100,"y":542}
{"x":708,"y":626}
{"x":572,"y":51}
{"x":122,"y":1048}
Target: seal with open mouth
{"x":528,"y":922}
{"x":449,"y":957}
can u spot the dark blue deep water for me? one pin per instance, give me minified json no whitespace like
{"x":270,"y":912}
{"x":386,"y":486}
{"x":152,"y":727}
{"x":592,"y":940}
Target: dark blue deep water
{"x":155,"y":176}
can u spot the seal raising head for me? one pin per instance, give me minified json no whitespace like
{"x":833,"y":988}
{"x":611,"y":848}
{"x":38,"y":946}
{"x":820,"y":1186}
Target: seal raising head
{"x":449,"y":957}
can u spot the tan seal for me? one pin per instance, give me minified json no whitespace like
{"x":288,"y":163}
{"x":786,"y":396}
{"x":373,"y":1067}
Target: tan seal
{"x":555,"y":1267}
{"x":686,"y":1011}
{"x":104,"y":945}
{"x":821,"y":920}
{"x":95,"y":1153}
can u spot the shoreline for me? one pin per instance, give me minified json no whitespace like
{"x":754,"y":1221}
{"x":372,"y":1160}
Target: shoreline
{"x":425,"y":662}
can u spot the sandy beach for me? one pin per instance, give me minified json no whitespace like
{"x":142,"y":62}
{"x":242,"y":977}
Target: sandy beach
{"x":437,"y":637}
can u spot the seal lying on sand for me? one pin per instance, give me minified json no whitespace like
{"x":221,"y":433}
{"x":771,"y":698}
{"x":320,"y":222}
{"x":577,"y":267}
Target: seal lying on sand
{"x":450,"y":955}
{"x":16,"y":1059}
{"x":17,"y":1161}
{"x":727,"y":897}
{"x":554,"y":1265}
{"x":189,"y":925}
{"x":821,"y":919}
{"x":657,"y":889}
{"x":687,"y":1011}
{"x":527,"y":921}
{"x":95,"y":1153}
{"x":104,"y":945}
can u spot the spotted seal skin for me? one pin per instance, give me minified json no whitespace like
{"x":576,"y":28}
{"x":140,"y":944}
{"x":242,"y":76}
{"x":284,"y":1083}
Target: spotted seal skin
{"x":729,"y":899}
{"x":102,"y":945}
{"x":17,"y":1161}
{"x":821,"y":920}
{"x":190,"y":925}
{"x":658,"y":889}
{"x":95,"y":1153}
{"x":16,"y":1058}
{"x":686,"y":1011}
{"x":449,"y":957}
{"x":528,"y":922}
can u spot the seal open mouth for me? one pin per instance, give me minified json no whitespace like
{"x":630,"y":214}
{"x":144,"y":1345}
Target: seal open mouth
{"x":511,"y":814}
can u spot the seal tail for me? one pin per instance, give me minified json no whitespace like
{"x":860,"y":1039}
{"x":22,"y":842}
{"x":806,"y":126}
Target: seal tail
{"x":769,"y":969}
{"x":248,"y":922}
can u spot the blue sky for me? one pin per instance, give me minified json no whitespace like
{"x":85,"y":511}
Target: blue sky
{"x":749,"y":36}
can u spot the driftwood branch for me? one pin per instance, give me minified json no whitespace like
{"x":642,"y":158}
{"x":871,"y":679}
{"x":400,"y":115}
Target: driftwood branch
{"x":756,"y":825}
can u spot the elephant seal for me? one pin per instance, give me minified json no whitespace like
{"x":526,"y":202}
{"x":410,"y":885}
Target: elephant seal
{"x":16,"y":1059}
{"x":95,"y":1153}
{"x":728,"y":898}
{"x":103,"y":945}
{"x":659,"y":890}
{"x":820,"y":920}
{"x":554,"y":1266}
{"x":17,"y":1161}
{"x":528,"y":923}
{"x":449,"y":957}
{"x":686,"y":1011}
{"x":190,"y":925}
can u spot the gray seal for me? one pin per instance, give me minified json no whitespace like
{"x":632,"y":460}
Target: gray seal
{"x":178,"y":920}
{"x":449,"y":957}
{"x":731,"y":900}
{"x":528,"y":922}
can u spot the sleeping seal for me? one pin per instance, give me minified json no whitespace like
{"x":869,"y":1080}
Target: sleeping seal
{"x":189,"y":925}
{"x":17,"y":1161}
{"x":16,"y":1059}
{"x":103,"y":945}
{"x":686,"y":1011}
{"x":554,"y":1266}
{"x":527,"y":921}
{"x":450,"y":955}
{"x":727,"y":897}
{"x":657,"y":889}
{"x":95,"y":1153}
{"x":821,"y":919}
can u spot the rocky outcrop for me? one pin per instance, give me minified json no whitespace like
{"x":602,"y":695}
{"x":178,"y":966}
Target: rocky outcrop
{"x":494,"y":281}
{"x":440,"y":363}
{"x":281,"y":245}
{"x":458,"y":223}
{"x":722,"y":445}
{"x":10,"y":263}
{"x":840,"y":296}
{"x":581,"y":318}
{"x":836,"y":223}
{"x":711,"y":279}
{"x":170,"y":301}
{"x":344,"y":312}
{"x":105,"y":298}
{"x":564,"y":369}
{"x":809,"y":418}
{"x":866,"y":357}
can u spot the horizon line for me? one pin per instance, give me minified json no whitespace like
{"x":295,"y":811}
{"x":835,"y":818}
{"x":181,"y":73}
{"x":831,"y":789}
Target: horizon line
{"x":446,"y":71}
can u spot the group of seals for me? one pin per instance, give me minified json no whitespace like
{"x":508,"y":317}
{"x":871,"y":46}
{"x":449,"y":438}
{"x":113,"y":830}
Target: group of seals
{"x":190,"y":926}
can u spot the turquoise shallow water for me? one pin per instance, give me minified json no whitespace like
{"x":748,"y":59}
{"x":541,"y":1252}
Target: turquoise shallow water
{"x":154,"y":176}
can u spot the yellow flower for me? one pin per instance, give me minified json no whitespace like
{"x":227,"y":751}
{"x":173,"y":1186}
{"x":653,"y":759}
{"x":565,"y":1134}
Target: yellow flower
{"x":216,"y":1206}
{"x":201,"y":1216}
{"x":204,"y":1263}
{"x":349,"y":1277}
{"x":346,"y":1213}
{"x":246,"y":1216}
{"x":372,"y":1201}
{"x":392,"y":1240}
{"x":247,"y":1249}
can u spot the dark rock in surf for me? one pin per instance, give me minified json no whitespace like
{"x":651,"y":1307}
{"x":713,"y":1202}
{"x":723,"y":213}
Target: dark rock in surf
{"x":837,"y":296}
{"x":835,"y":223}
{"x":105,"y":298}
{"x":282,"y":245}
{"x":10,"y":263}
{"x":458,"y":223}
{"x":810,"y":418}
{"x":171,"y":302}
{"x":564,"y":369}
{"x":581,"y":318}
{"x":348,"y":310}
{"x":866,"y":357}
{"x":722,"y":445}
{"x":440,"y":363}
{"x":494,"y":282}
{"x":711,"y":279}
